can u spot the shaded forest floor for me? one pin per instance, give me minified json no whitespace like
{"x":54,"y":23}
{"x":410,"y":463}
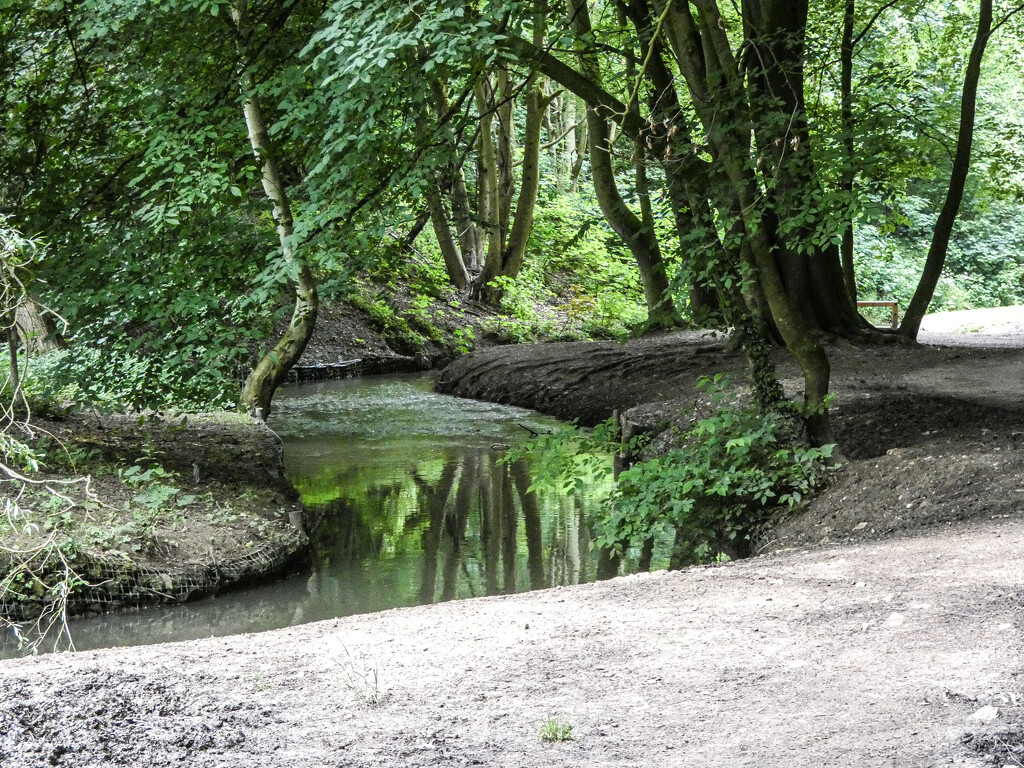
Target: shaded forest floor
{"x":872,"y":650}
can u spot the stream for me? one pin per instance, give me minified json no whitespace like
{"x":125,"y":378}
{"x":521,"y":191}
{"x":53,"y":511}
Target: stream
{"x":408,"y":503}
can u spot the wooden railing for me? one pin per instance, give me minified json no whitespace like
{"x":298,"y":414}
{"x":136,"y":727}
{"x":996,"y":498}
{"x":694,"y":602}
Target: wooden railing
{"x":893,"y":305}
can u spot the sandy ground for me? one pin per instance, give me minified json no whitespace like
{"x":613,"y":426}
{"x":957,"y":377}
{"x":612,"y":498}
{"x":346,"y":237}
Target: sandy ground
{"x":895,"y":653}
{"x":903,"y":651}
{"x":995,"y":321}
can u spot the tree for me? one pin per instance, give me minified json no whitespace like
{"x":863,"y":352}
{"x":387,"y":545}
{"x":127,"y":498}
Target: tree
{"x":768,"y":247}
{"x":958,"y":178}
{"x":636,"y":232}
{"x":270,"y":371}
{"x":486,"y":241}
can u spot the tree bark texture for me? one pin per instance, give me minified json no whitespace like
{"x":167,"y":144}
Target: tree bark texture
{"x":259,"y":387}
{"x":36,"y":327}
{"x":707,"y":58}
{"x":812,"y":275}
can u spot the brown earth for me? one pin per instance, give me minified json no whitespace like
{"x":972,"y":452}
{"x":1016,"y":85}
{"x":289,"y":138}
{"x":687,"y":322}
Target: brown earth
{"x":872,"y":650}
{"x":147,"y":509}
{"x":930,"y":433}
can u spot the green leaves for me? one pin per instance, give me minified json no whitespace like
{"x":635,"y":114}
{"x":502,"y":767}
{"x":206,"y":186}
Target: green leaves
{"x":736,"y":468}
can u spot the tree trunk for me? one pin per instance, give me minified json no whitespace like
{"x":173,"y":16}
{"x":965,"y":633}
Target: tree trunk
{"x":487,"y":186}
{"x":668,"y":139}
{"x":453,"y":262}
{"x":812,"y":276}
{"x":705,"y":54}
{"x":846,"y":109}
{"x":36,"y":328}
{"x":270,"y":371}
{"x":640,"y":240}
{"x":467,"y":258}
{"x":957,"y":180}
{"x":582,"y":143}
{"x":514,"y":255}
{"x":505,"y":146}
{"x":11,"y":332}
{"x":508,"y":241}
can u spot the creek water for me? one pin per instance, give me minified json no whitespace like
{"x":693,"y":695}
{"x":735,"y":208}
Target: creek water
{"x":408,"y":503}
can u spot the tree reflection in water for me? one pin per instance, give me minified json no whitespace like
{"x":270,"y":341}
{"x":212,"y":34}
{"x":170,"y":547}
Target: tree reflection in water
{"x":469,"y":524}
{"x":408,"y":502}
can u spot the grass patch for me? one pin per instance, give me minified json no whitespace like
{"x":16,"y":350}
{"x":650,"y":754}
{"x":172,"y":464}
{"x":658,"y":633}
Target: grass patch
{"x":555,"y":730}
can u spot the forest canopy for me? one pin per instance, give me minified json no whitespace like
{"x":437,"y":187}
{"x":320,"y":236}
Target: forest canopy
{"x":197,"y":172}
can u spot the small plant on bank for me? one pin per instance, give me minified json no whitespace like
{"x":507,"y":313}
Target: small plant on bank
{"x":555,"y":730}
{"x":362,"y":679}
{"x":737,"y":466}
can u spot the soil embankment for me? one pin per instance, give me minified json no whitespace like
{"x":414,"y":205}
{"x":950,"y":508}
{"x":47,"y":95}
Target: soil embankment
{"x":144,"y":510}
{"x":586,"y":381}
{"x":931,"y":433}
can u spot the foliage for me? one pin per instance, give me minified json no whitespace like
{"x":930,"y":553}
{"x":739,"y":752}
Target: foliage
{"x":984,"y":268}
{"x":555,"y":730}
{"x":568,"y":458}
{"x":118,"y":379}
{"x":590,"y":273}
{"x":736,"y":468}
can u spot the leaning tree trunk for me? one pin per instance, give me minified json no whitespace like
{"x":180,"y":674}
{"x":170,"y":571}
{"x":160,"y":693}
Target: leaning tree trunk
{"x":957,"y":180}
{"x":641,"y":240}
{"x":687,"y":180}
{"x":446,"y":240}
{"x":461,"y":246}
{"x":270,"y":371}
{"x":708,"y":64}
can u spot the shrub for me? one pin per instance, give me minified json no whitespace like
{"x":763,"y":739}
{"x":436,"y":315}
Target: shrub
{"x":118,"y":378}
{"x":733,"y":470}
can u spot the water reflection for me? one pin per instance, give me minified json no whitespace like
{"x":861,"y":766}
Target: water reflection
{"x":471,"y":529}
{"x":432,"y":513}
{"x":409,"y":503}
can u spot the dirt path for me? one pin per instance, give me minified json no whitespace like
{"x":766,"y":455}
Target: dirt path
{"x":876,"y":655}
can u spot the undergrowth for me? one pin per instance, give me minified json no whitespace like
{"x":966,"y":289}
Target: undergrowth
{"x":731,"y":472}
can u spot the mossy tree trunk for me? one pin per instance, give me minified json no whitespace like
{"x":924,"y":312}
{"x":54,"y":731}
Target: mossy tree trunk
{"x":259,"y":387}
{"x":812,"y":275}
{"x":715,"y":82}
